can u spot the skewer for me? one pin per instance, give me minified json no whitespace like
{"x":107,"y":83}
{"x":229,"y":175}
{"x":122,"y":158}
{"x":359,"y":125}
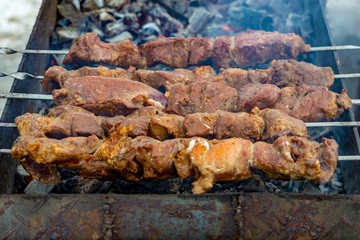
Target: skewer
{"x":310,"y":124}
{"x":341,"y":158}
{"x":27,"y":96}
{"x":26,"y":76}
{"x":6,"y":50}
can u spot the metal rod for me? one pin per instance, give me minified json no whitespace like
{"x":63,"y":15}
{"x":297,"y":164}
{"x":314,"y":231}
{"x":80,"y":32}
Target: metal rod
{"x":7,"y":124}
{"x":27,"y":96}
{"x":335,"y":48}
{"x":20,"y":75}
{"x":349,"y":158}
{"x":341,"y":158}
{"x":333,"y":124}
{"x":5,"y":50}
{"x":26,"y":76}
{"x":347,"y":75}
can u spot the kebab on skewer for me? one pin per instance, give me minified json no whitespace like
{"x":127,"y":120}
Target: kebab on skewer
{"x":282,"y":73}
{"x":70,"y":121}
{"x":209,"y":161}
{"x":243,"y":50}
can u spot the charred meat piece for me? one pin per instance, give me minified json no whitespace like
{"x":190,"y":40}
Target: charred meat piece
{"x":116,"y":151}
{"x":90,"y":49}
{"x":56,"y":76}
{"x":40,"y":156}
{"x":282,"y":73}
{"x":108,"y":96}
{"x":201,"y":97}
{"x":257,"y":95}
{"x":304,"y":102}
{"x":312,"y":103}
{"x":278,"y":123}
{"x":208,"y":161}
{"x":214,"y":161}
{"x":245,"y":49}
{"x":296,"y":158}
{"x":256,"y":47}
{"x":70,"y":121}
{"x":156,"y":157}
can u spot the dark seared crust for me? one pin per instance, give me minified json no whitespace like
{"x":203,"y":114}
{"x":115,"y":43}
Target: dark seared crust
{"x":282,"y":73}
{"x":201,"y":97}
{"x":296,"y":158}
{"x":108,"y":96}
{"x":208,"y":161}
{"x":90,"y":49}
{"x":245,"y":49}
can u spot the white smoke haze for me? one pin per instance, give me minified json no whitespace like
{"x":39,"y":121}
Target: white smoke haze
{"x":344,"y":21}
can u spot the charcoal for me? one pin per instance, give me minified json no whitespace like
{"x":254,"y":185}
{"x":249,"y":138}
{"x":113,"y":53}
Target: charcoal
{"x":121,"y":37}
{"x":67,"y":33}
{"x":198,"y":20}
{"x":90,"y":5}
{"x":22,"y":172}
{"x":115,"y":3}
{"x":296,"y":186}
{"x":105,"y":16}
{"x":255,"y":185}
{"x":77,"y":4}
{"x":150,"y":31}
{"x":250,"y":18}
{"x":114,"y":28}
{"x":279,"y":7}
{"x":88,"y":186}
{"x":309,"y":187}
{"x":70,"y":12}
{"x":36,"y":187}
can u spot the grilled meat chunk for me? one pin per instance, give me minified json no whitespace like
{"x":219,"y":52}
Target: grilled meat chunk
{"x":312,"y":103}
{"x":282,"y":73}
{"x":108,"y":96}
{"x":304,"y":102}
{"x":90,"y":49}
{"x":296,"y":158}
{"x":214,"y":161}
{"x":56,"y":76}
{"x":243,"y":50}
{"x":206,"y":160}
{"x":201,"y":97}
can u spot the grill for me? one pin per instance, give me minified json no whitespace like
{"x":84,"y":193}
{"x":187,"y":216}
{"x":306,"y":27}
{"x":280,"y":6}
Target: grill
{"x":213,"y":215}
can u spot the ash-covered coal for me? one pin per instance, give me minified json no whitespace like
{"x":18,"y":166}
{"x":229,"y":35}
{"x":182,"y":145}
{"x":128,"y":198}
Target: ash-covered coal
{"x":142,"y":21}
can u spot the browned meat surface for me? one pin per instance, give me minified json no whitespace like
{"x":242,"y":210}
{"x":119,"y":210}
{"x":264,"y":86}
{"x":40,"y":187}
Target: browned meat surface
{"x":257,"y":95}
{"x":40,"y":156}
{"x":281,"y":73}
{"x":167,"y":126}
{"x":208,"y":161}
{"x":214,"y":161}
{"x":156,"y":157}
{"x":70,"y":121}
{"x":245,"y":49}
{"x":286,"y":73}
{"x":90,"y":49}
{"x":108,"y":96}
{"x":56,"y":76}
{"x":278,"y":123}
{"x":201,"y":97}
{"x":256,"y":47}
{"x":117,"y":152}
{"x":296,"y":158}
{"x":312,"y":103}
{"x":304,"y":102}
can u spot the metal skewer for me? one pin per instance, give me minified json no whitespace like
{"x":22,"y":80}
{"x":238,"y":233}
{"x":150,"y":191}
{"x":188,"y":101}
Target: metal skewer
{"x":341,"y":158}
{"x":27,"y":96}
{"x":26,"y":76}
{"x":334,"y":48}
{"x":6,"y":50}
